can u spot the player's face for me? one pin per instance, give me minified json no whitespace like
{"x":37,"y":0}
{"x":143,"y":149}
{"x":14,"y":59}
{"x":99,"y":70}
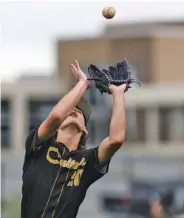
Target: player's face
{"x":75,"y":117}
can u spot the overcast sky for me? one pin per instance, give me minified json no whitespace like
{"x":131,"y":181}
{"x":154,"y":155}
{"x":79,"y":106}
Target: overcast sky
{"x":28,"y":31}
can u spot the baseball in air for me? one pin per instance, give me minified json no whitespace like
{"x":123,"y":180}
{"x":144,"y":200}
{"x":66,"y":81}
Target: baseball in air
{"x":108,"y":12}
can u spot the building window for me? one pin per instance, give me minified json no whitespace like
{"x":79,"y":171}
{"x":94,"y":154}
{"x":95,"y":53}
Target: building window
{"x":171,"y":124}
{"x":38,"y":111}
{"x":5,"y":123}
{"x":135,"y":130}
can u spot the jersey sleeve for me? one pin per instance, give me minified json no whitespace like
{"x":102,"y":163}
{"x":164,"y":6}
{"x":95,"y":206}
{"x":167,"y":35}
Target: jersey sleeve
{"x":33,"y":142}
{"x":96,"y":170}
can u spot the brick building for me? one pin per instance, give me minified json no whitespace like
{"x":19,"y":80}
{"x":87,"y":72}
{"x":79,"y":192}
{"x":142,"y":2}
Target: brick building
{"x":156,"y":50}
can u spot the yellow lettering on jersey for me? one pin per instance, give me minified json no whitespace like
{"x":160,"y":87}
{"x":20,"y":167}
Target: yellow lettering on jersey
{"x":70,"y":183}
{"x":82,"y":162}
{"x":75,"y":178}
{"x":49,"y":158}
{"x":70,"y":164}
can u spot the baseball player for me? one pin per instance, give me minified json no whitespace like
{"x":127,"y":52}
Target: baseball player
{"x":58,"y":169}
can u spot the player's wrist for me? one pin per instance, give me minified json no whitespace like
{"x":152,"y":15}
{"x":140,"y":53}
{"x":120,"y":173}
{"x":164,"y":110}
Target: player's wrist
{"x":116,"y":90}
{"x":84,"y":82}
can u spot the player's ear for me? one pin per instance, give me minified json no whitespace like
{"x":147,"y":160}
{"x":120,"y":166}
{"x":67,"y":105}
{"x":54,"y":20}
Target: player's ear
{"x":85,"y":130}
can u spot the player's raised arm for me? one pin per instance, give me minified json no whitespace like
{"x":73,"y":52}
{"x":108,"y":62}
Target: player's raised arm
{"x":117,"y":129}
{"x":64,"y":107}
{"x":115,"y":80}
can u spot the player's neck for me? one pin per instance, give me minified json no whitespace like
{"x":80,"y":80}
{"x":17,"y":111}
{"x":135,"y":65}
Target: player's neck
{"x":70,"y":137}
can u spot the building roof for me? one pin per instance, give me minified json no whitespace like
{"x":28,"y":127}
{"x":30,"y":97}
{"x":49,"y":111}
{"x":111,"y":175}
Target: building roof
{"x":168,"y":28}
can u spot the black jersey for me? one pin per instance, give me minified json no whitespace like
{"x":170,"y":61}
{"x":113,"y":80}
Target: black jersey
{"x":55,"y":180}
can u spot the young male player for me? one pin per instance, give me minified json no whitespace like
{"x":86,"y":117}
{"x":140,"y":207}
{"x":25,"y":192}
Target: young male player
{"x":57,"y":169}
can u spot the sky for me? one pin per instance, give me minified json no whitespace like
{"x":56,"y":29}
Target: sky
{"x":29,"y":30}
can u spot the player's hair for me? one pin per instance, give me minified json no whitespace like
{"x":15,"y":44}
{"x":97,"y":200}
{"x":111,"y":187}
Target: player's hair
{"x":83,"y":141}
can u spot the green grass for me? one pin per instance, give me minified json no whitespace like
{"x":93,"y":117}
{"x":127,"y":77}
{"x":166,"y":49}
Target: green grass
{"x":11,"y":207}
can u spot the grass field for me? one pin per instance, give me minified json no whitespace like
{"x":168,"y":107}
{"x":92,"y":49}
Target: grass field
{"x":11,"y":207}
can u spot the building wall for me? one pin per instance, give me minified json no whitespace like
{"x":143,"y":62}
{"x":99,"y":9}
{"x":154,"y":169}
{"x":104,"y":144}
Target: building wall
{"x":167,"y":59}
{"x":155,"y":50}
{"x":85,"y":51}
{"x":156,"y":59}
{"x":104,"y":51}
{"x":136,"y":50}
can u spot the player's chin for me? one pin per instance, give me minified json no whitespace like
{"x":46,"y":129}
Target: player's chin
{"x":76,"y":124}
{"x":72,"y":123}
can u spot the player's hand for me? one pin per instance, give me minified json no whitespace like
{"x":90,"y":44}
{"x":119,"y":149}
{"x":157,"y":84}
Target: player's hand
{"x":77,"y":72}
{"x":122,"y":88}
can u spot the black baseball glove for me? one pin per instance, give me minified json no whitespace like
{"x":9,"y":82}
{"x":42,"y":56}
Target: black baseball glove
{"x":116,"y":75}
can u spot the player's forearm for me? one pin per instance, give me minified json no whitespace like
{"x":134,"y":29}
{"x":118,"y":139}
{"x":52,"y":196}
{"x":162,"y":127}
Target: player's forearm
{"x":118,"y":121}
{"x":70,"y":100}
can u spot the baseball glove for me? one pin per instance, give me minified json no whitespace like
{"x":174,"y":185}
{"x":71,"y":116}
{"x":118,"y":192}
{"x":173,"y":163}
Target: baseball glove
{"x":116,"y":75}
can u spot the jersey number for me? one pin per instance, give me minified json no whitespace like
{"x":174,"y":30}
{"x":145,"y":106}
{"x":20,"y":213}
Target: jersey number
{"x":75,"y":178}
